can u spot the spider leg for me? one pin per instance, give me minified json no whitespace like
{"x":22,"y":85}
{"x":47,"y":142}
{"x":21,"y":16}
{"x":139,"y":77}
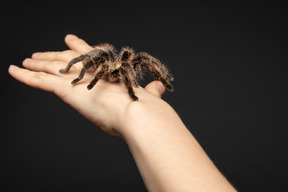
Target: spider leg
{"x":82,"y":73}
{"x":127,"y":55}
{"x":72,"y":62}
{"x":95,"y":58}
{"x":164,"y":79}
{"x":94,"y":55}
{"x":126,"y":78}
{"x":132,"y":74}
{"x":139,"y":73}
{"x":131,"y":93}
{"x":158,"y":70}
{"x":99,"y":73}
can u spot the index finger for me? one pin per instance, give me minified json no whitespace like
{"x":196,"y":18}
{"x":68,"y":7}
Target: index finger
{"x":77,"y":44}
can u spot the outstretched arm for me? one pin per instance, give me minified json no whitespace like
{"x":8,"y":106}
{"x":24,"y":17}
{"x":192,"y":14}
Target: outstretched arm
{"x":166,"y":153}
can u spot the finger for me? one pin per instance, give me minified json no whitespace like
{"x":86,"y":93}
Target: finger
{"x":37,"y":80}
{"x":65,"y":56}
{"x":77,"y":44}
{"x":51,"y":67}
{"x":156,"y":88}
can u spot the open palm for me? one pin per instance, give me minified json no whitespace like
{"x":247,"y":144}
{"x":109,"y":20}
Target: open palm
{"x":105,"y":105}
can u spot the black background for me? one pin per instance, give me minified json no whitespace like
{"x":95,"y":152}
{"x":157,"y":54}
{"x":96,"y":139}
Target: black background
{"x":228,"y":60}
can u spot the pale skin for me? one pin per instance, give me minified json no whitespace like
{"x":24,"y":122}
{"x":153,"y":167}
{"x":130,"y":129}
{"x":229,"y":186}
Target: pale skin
{"x":167,"y":155}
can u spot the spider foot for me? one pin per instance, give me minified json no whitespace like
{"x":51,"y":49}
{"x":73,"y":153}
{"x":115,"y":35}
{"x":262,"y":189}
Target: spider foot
{"x":135,"y":98}
{"x":75,"y":81}
{"x":132,"y":94}
{"x":170,"y":88}
{"x":63,"y":70}
{"x":170,"y":78}
{"x":72,"y":62}
{"x":90,"y":86}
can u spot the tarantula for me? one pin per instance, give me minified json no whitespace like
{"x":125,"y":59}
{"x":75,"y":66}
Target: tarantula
{"x":125,"y":67}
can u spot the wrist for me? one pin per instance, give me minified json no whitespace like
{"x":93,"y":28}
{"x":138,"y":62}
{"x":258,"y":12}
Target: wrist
{"x":158,"y":142}
{"x":145,"y":117}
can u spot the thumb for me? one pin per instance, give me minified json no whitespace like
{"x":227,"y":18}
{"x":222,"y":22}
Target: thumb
{"x":156,"y":88}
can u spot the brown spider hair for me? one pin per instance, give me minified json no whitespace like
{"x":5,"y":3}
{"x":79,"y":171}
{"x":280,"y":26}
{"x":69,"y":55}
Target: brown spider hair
{"x":125,"y":67}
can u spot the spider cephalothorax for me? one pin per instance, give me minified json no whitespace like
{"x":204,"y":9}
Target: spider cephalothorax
{"x":126,"y":67}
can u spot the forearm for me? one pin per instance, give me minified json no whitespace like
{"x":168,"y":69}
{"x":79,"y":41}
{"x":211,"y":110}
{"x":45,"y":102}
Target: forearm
{"x":170,"y":159}
{"x":168,"y":156}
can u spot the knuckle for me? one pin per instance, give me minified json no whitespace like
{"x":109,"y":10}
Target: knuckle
{"x":45,"y":66}
{"x":67,"y":55}
{"x":51,"y":66}
{"x":68,"y":52}
{"x":83,"y":46}
{"x":54,"y":64}
{"x":49,"y":55}
{"x":37,"y":75}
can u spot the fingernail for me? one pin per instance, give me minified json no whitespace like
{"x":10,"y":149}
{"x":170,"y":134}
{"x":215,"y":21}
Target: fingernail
{"x":13,"y":68}
{"x":71,"y":37}
{"x":36,"y":54}
{"x":27,"y":61}
{"x":160,"y":87}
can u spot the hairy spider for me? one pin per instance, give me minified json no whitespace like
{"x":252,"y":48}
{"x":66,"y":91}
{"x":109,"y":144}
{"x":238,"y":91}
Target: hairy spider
{"x":125,"y":67}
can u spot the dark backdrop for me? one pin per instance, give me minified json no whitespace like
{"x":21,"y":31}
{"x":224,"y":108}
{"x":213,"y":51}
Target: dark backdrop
{"x":228,"y":60}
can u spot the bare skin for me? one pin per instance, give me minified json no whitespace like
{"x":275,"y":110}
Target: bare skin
{"x":166,"y":153}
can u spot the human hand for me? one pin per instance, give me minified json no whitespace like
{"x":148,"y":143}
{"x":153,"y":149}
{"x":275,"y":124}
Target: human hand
{"x":163,"y":148}
{"x":107,"y":105}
